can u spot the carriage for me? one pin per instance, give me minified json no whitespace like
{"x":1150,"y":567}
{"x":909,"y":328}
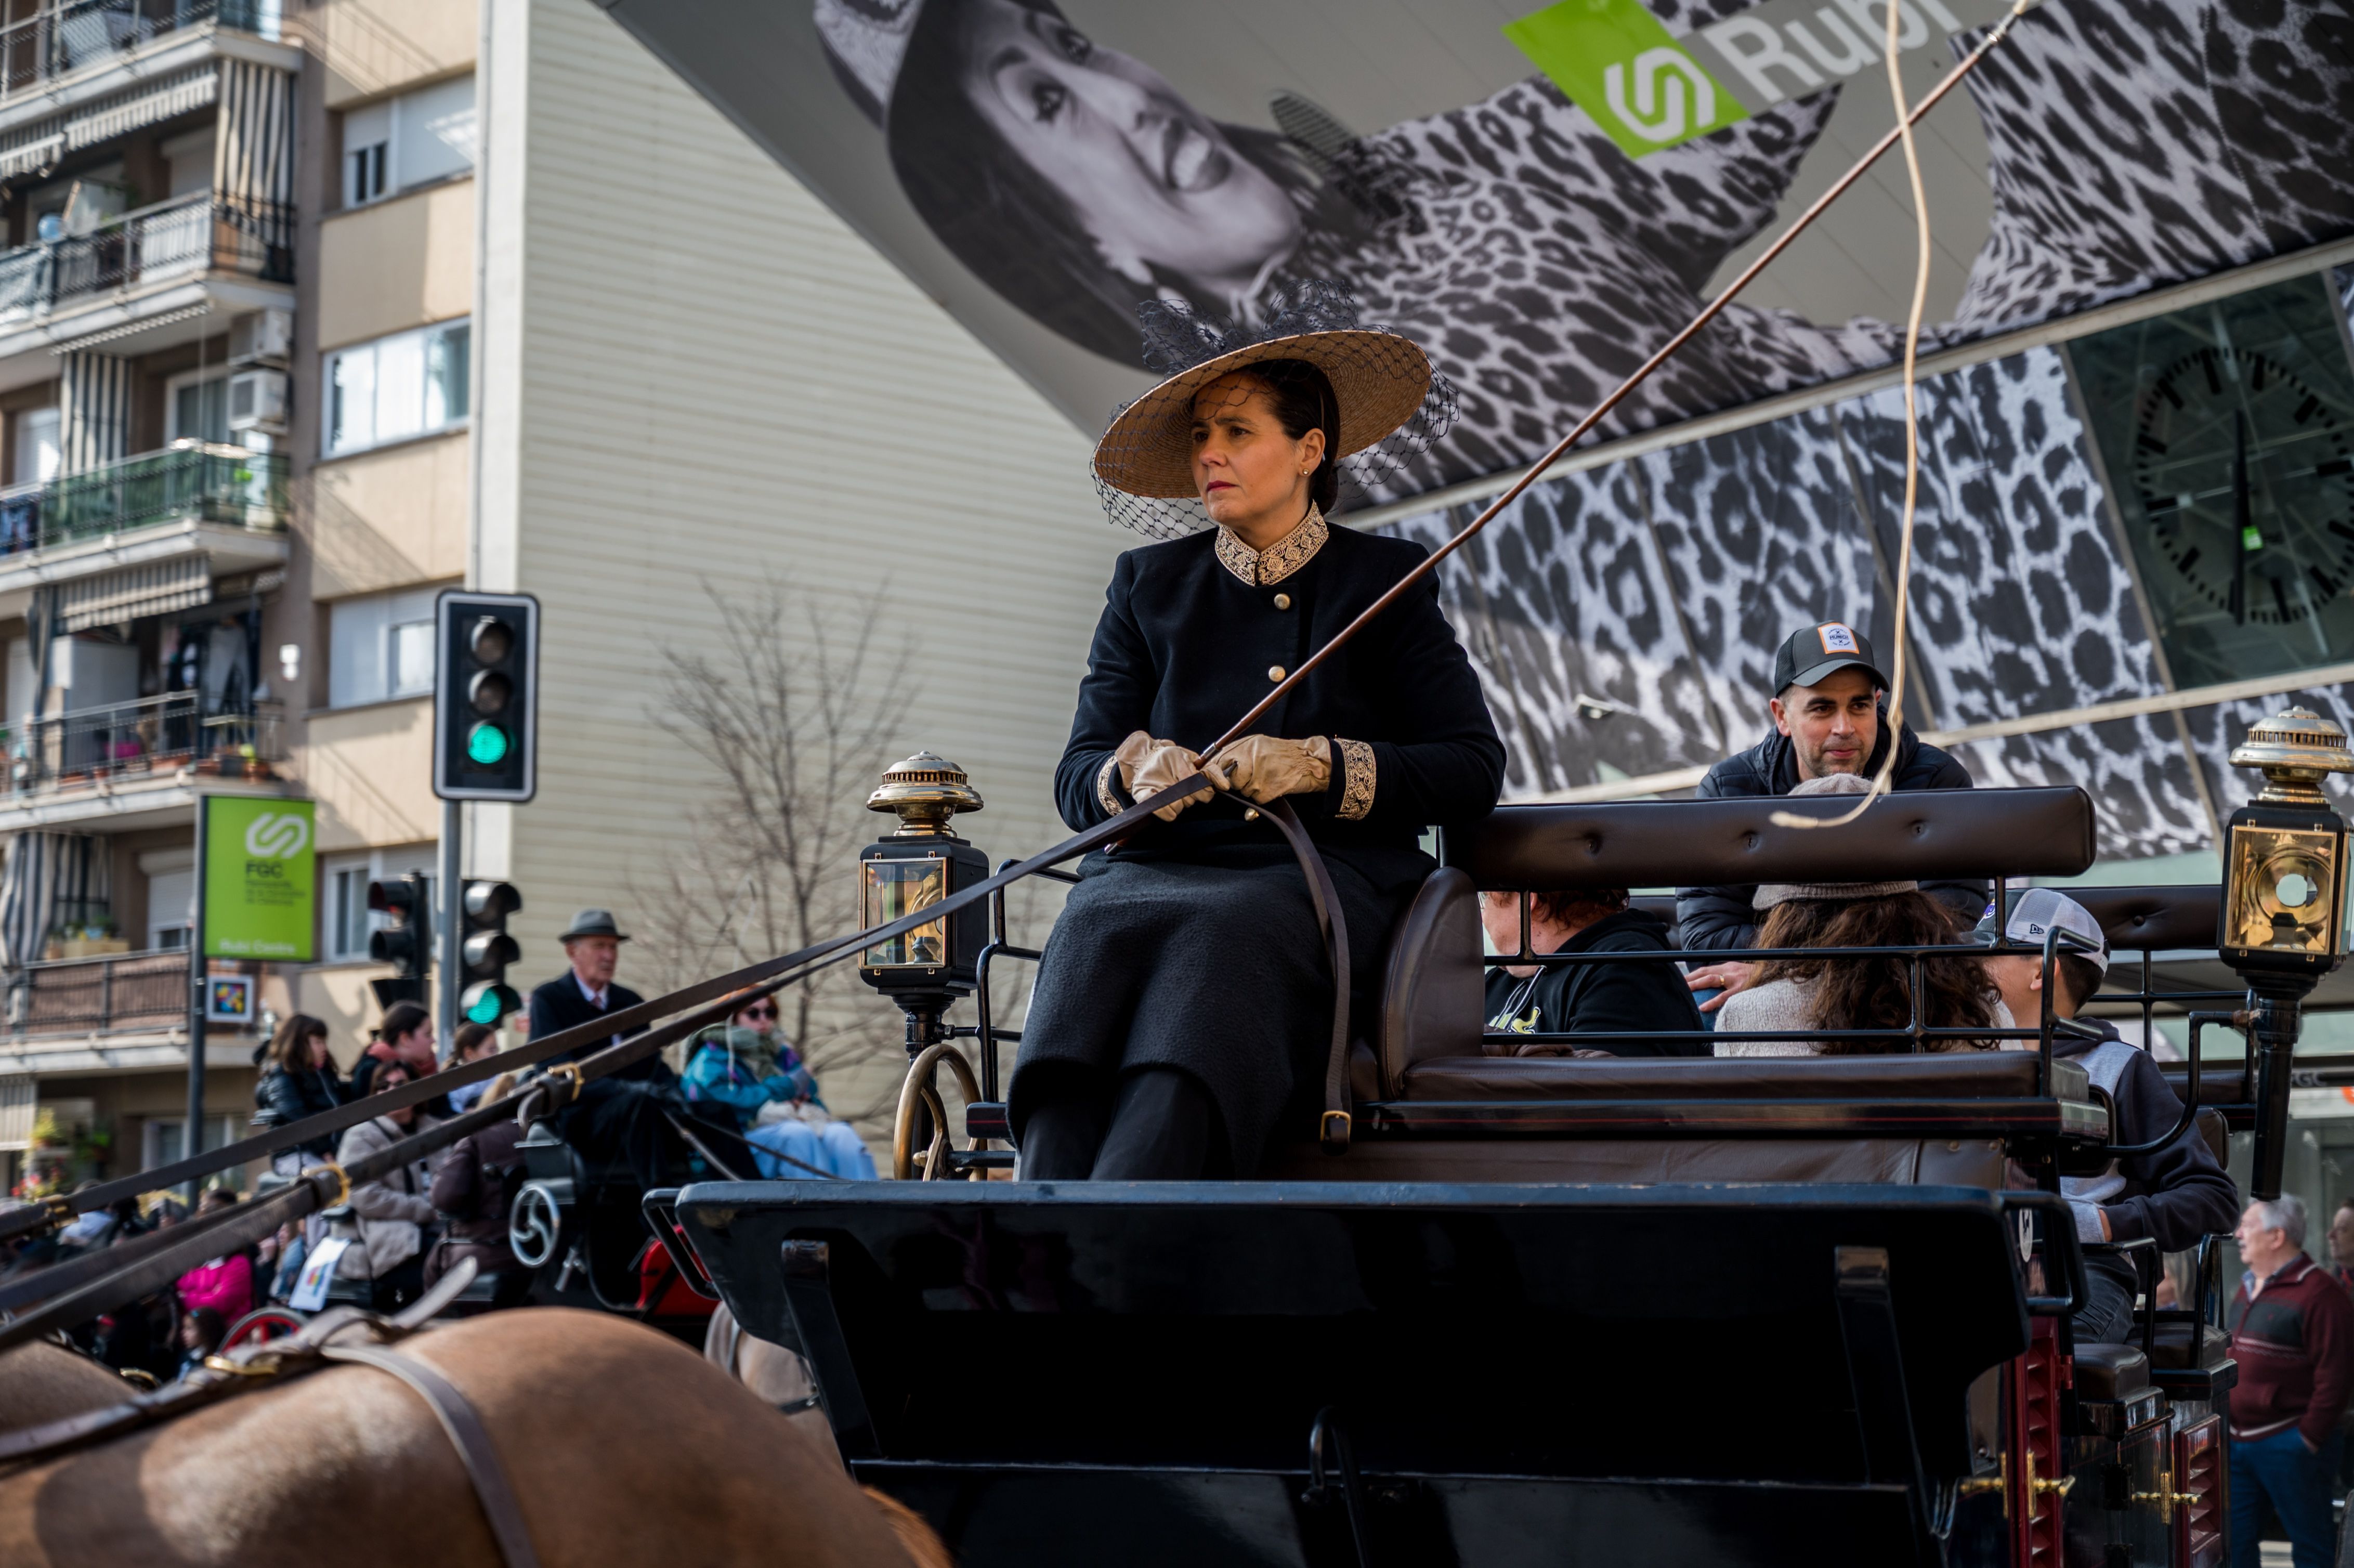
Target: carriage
{"x":1542,"y":1308}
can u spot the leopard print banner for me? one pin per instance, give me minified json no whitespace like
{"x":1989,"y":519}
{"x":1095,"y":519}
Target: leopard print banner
{"x":1625,"y":616}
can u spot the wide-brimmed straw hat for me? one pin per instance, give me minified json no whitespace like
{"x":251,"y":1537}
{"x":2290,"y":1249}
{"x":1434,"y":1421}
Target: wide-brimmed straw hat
{"x":1391,"y":403}
{"x":1379,"y":380}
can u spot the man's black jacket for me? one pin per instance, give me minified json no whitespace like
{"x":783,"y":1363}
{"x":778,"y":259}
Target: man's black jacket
{"x":2177,"y":1194}
{"x":1722,"y":917}
{"x":559,"y":1004}
{"x":1595,"y":999}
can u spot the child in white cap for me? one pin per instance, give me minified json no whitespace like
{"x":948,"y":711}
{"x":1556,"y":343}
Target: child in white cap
{"x":2176,"y":1194}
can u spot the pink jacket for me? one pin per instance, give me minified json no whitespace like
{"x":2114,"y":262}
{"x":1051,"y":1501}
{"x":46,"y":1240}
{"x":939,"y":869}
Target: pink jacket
{"x":225,"y":1285}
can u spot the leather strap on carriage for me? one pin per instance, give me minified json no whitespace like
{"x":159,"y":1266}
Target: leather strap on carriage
{"x":321,"y":1342}
{"x":1332,"y":1125}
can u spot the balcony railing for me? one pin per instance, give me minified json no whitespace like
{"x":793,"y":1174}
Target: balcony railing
{"x":150,"y":734}
{"x":187,"y":237}
{"x":78,"y":35}
{"x":209,"y":483}
{"x":117,"y":993}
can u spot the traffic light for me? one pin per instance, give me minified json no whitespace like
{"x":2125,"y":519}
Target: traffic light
{"x":486,"y":952}
{"x":485,"y":697}
{"x":407,"y":942}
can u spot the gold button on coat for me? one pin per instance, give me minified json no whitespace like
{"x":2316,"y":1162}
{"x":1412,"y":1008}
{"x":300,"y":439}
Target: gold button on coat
{"x":1274,"y":673}
{"x":1283,"y":601}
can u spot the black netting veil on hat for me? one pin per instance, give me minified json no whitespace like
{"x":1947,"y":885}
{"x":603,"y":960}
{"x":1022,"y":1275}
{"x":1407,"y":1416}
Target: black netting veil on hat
{"x":1390,"y":404}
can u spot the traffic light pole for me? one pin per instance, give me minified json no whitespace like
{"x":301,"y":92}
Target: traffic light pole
{"x":454,"y":930}
{"x":191,"y":1142}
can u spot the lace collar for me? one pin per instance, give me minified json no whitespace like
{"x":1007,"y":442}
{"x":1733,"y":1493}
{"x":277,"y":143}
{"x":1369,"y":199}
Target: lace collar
{"x":1279,"y":560}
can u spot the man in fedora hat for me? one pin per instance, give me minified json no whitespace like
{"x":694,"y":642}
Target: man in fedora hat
{"x":593,"y":943}
{"x":621,"y":1114}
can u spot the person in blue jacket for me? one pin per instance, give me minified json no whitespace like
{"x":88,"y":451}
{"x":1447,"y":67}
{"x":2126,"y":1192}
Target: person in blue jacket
{"x":747,"y":1065}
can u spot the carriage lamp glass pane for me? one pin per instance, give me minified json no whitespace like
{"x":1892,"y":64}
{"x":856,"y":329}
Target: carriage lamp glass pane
{"x":487,"y":745}
{"x":2283,"y":892}
{"x":890,"y":888}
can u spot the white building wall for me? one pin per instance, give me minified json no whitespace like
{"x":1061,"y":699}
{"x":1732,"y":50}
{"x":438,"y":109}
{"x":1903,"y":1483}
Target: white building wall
{"x":691,"y":373}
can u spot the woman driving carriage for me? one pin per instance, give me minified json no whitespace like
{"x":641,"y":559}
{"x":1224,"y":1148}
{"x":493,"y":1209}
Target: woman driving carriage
{"x":1185,"y":995}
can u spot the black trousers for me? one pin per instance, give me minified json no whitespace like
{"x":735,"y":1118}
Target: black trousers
{"x":2108,"y":1316}
{"x":398,"y":1286}
{"x":1151,"y":1124}
{"x":629,"y":1120}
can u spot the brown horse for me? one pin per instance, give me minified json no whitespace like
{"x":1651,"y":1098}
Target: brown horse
{"x":623,"y":1447}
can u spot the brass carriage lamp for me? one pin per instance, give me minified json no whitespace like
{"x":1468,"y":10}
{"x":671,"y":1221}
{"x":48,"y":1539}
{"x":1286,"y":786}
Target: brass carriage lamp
{"x":2283,"y":915}
{"x":925,"y":970}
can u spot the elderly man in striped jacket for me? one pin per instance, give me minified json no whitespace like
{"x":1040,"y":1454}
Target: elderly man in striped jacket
{"x":2292,"y":1335}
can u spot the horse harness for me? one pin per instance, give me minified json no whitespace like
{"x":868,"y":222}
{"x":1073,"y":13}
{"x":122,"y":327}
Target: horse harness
{"x":343,"y":1334}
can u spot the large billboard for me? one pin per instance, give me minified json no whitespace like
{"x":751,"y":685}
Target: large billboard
{"x":1540,"y":194}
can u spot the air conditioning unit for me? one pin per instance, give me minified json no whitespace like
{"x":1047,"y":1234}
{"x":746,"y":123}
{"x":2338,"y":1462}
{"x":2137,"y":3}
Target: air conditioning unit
{"x":261,"y":337}
{"x":257,"y":401}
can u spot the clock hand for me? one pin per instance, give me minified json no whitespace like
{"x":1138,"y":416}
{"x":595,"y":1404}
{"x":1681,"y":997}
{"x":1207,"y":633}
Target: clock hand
{"x":2239,"y":517}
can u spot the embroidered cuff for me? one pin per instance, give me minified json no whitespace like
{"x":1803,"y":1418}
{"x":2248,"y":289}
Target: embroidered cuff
{"x":1107,"y":785}
{"x":1355,"y":758}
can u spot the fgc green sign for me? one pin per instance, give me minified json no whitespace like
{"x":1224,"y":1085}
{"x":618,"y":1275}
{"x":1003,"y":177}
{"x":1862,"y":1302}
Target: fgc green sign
{"x":260,"y":889}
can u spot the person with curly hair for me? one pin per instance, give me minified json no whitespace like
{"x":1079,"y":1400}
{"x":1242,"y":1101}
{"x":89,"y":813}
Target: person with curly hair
{"x":1838,"y":995}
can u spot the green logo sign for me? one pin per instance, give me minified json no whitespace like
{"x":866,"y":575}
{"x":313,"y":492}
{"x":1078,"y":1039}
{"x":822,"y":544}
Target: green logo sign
{"x":260,"y":878}
{"x":1612,"y":58}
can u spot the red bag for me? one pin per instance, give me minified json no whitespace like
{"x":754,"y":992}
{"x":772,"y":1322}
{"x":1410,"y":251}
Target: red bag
{"x":660,"y":1284}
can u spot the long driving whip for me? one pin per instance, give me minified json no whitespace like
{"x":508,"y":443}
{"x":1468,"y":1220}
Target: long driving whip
{"x":1667,"y":351}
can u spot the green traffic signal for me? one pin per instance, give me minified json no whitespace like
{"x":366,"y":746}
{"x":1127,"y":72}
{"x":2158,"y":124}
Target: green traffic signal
{"x":491,"y":1003}
{"x":487,"y":746}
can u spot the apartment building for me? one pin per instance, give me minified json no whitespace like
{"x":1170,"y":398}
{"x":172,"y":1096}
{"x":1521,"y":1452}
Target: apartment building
{"x":147,"y":294}
{"x":264,"y":397}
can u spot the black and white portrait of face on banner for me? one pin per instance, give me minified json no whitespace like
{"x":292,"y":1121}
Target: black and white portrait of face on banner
{"x":2109,"y":147}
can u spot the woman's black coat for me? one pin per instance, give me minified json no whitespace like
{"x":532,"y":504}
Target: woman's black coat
{"x":1193,"y":946}
{"x":285,"y":1097}
{"x":1186,"y":646}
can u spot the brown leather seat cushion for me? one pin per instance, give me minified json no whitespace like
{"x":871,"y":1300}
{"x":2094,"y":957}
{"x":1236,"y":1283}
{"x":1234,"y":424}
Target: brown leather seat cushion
{"x":1944,"y":1075}
{"x":2110,"y":1371}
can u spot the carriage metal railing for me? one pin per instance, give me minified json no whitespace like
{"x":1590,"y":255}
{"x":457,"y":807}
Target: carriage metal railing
{"x":985,"y":1118}
{"x":60,"y":39}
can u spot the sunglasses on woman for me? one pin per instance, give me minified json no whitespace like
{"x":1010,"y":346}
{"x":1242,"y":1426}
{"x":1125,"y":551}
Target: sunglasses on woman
{"x":767,"y":1012}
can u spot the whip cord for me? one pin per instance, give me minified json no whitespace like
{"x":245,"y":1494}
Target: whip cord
{"x":1904,"y":119}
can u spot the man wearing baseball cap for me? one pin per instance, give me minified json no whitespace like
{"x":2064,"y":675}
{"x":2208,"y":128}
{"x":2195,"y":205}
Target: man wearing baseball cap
{"x":2177,"y":1194}
{"x":1830,"y":717}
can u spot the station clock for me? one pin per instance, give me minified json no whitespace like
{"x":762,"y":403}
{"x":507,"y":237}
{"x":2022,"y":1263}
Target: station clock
{"x":2246,"y":476}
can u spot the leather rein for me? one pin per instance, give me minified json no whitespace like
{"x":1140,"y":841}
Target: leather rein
{"x":344,"y":1335}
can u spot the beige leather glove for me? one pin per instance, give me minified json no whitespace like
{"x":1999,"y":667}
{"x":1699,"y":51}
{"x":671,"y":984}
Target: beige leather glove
{"x":1148,"y":766}
{"x":1261,"y":767}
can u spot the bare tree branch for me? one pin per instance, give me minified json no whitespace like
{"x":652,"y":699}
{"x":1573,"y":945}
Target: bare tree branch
{"x":791,"y":715}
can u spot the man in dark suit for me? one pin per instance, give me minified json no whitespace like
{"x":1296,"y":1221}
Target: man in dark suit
{"x":621,"y":1114}
{"x":593,"y":944}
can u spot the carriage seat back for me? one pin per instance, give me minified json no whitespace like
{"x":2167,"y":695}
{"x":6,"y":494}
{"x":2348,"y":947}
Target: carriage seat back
{"x":1433,"y":981}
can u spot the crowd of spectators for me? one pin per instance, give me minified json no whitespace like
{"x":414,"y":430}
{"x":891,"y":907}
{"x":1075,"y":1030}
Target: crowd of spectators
{"x":398,"y":1233}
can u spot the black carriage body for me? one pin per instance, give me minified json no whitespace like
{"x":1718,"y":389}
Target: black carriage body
{"x":1676,"y":1310}
{"x":1522,"y":1373}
